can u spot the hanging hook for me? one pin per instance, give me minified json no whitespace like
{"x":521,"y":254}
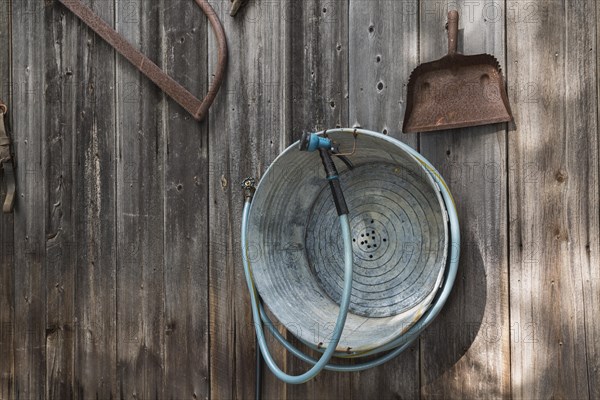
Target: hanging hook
{"x":236,"y":5}
{"x":355,"y":135}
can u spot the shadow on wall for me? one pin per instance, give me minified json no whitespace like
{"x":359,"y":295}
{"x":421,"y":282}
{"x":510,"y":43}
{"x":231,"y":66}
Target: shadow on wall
{"x":453,"y":332}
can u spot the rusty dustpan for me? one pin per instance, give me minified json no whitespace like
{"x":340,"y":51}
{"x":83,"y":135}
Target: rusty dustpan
{"x":456,"y":91}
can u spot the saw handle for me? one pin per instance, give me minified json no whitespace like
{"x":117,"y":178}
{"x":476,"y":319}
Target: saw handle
{"x":452,"y":32}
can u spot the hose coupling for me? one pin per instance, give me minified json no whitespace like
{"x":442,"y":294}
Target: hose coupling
{"x":249,"y":188}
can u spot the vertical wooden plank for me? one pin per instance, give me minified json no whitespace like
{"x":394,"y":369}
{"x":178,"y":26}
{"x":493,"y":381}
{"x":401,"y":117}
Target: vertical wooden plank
{"x":92,"y":128}
{"x":186,"y":208}
{"x":319,"y":65}
{"x":246,"y":126}
{"x":7,"y":353}
{"x":7,"y":301}
{"x":465,"y":353}
{"x":554,"y":201}
{"x":384,"y":49}
{"x":319,"y":58}
{"x":592,"y":274}
{"x":62,"y":77}
{"x":29,"y":219}
{"x":140,"y":219}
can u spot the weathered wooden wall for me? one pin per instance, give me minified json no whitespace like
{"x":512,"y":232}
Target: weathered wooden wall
{"x":120,"y":271}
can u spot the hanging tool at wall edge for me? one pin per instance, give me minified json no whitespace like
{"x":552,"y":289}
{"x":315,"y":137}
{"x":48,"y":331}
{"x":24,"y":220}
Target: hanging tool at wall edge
{"x":7,"y":165}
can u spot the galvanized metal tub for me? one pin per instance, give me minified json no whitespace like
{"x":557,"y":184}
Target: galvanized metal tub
{"x":400,"y":242}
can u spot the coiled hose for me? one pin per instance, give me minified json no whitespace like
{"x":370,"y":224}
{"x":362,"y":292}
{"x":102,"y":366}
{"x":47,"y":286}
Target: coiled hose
{"x":258,"y":310}
{"x":393,"y":348}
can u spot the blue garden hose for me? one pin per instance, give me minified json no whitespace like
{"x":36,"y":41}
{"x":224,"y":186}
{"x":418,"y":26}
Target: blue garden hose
{"x":341,"y":319}
{"x":393,"y":348}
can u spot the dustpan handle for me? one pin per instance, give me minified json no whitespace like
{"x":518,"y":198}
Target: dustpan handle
{"x":452,"y":32}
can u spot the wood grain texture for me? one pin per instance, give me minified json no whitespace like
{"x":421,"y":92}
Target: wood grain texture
{"x":186,"y":345}
{"x":592,"y":274}
{"x":140,"y":219}
{"x":319,"y":69}
{"x":465,"y":352}
{"x":554,"y":203}
{"x":59,"y":110}
{"x":120,"y":270}
{"x":7,"y":300}
{"x":29,"y":219}
{"x":319,"y":65}
{"x":92,"y":117}
{"x":246,"y":124}
{"x":383,"y":50}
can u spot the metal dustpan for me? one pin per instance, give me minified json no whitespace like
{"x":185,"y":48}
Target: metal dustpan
{"x":456,"y":91}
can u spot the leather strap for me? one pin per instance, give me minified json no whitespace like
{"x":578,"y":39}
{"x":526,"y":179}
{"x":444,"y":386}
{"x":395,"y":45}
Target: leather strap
{"x":181,"y":95}
{"x":6,"y":164}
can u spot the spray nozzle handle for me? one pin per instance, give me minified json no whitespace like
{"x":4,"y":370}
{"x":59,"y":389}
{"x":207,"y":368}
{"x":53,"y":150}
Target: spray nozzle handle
{"x":311,"y":142}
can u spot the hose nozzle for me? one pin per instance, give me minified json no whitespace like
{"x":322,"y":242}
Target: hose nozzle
{"x":311,"y":142}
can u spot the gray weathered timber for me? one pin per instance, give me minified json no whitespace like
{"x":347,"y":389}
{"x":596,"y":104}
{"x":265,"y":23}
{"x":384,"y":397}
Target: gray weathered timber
{"x":472,"y":332}
{"x":29,"y":219}
{"x":92,"y":115}
{"x":59,"y":109}
{"x":384,"y":49}
{"x":553,"y":202}
{"x":186,"y":340}
{"x":592,"y":274}
{"x":7,"y":352}
{"x":319,"y":65}
{"x":140,"y":219}
{"x":120,"y":271}
{"x":246,"y":126}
